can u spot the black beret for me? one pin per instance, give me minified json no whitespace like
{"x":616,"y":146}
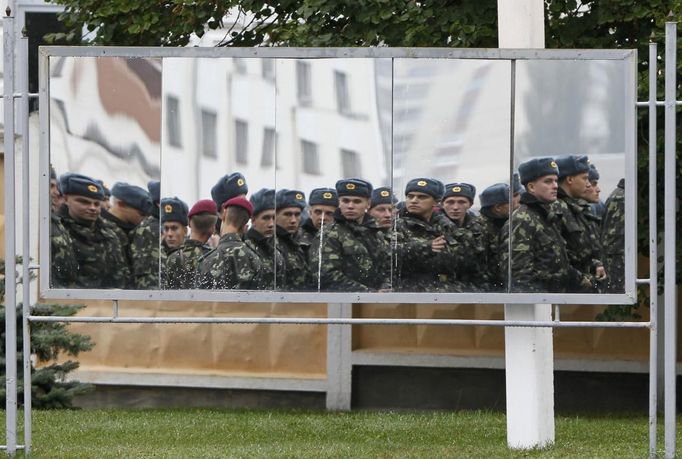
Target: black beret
{"x":132,"y":195}
{"x":516,"y":184}
{"x":290,"y":198}
{"x":592,"y":174}
{"x":495,"y":194}
{"x":174,"y":210}
{"x":354,"y":187}
{"x":323,"y":196}
{"x":536,"y":168}
{"x":228,"y":187}
{"x":460,"y":189}
{"x":430,"y":186}
{"x":383,"y":195}
{"x":263,"y":199}
{"x":154,"y":188}
{"x":572,"y":165}
{"x":70,"y":183}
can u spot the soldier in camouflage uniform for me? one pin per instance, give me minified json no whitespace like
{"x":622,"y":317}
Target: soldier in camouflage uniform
{"x":613,"y":239}
{"x":173,"y":231}
{"x":96,"y":248}
{"x":382,"y":207}
{"x":322,"y":203}
{"x":539,"y":257}
{"x":181,"y":265}
{"x":493,"y":216}
{"x":579,"y":224}
{"x":229,"y":186}
{"x":596,"y":205}
{"x":353,"y":254}
{"x":63,"y":264}
{"x":233,"y":264}
{"x":145,"y":242}
{"x":260,"y":238}
{"x":289,"y":205}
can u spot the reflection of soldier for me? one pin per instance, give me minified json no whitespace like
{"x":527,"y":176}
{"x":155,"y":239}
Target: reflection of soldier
{"x":494,"y":214}
{"x":539,"y":258}
{"x":596,"y":205}
{"x":517,"y":189}
{"x":173,"y":229}
{"x":428,"y":251}
{"x":260,"y":237}
{"x":290,"y":204}
{"x":352,"y":255}
{"x":322,"y":203}
{"x":144,"y":244}
{"x":56,"y":198}
{"x":613,"y":239}
{"x":579,"y":224}
{"x":63,"y":264}
{"x":233,"y":264}
{"x":229,"y":186}
{"x":181,"y":266}
{"x":382,"y":207}
{"x":457,"y":200}
{"x":96,"y":247}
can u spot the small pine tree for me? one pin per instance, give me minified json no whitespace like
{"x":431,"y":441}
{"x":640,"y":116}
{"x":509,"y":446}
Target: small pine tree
{"x":49,"y":340}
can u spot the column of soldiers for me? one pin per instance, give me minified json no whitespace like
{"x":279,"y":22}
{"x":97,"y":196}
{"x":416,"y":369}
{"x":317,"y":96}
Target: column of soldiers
{"x":352,"y":237}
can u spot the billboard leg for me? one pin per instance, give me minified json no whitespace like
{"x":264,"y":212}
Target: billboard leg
{"x":339,"y":365}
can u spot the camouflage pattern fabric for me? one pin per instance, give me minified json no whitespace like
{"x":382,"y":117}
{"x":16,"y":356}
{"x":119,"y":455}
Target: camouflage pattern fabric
{"x":124,"y":231}
{"x":181,"y":265}
{"x":272,"y":260}
{"x":355,"y":257}
{"x":579,"y":230}
{"x":613,"y":239}
{"x":97,"y":250}
{"x":539,"y":257}
{"x":63,"y":264}
{"x":491,"y":237}
{"x":296,"y":274}
{"x":231,"y":265}
{"x":144,"y":254}
{"x":306,"y":235}
{"x":476,"y":277}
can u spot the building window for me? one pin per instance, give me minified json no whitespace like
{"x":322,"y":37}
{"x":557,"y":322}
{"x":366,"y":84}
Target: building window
{"x":241,"y":141}
{"x":268,"y":69}
{"x":173,"y":121}
{"x":269,"y":147}
{"x":342,"y":95}
{"x":311,"y":158}
{"x":239,"y":65}
{"x":208,"y":134}
{"x":350,"y":164}
{"x":303,"y":87}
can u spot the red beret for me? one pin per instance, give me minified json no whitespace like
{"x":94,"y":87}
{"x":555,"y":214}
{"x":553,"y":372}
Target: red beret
{"x":239,"y":202}
{"x":203,"y":206}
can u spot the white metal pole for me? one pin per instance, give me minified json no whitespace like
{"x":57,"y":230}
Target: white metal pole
{"x":669,"y":293}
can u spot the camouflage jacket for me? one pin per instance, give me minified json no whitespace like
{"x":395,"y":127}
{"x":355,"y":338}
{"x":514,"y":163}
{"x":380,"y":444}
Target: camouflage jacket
{"x":63,"y":264}
{"x":124,"y":232}
{"x":491,"y":229}
{"x":144,"y":253}
{"x":579,"y":230}
{"x":306,"y":235}
{"x":271,"y":260}
{"x":475,"y":277}
{"x":613,"y":239}
{"x":97,"y":250}
{"x":296,"y":273}
{"x":181,"y":265}
{"x":353,"y":257}
{"x":539,"y":257}
{"x":231,"y":265}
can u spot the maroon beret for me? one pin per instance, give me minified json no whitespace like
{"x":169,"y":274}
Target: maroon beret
{"x":239,"y":202}
{"x":203,"y":206}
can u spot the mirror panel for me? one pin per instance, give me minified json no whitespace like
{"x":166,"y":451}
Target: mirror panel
{"x":573,"y":242}
{"x":451,"y":127}
{"x":105,"y":115}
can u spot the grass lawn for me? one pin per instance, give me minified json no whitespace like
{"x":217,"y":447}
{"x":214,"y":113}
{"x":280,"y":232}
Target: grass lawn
{"x":236,"y":433}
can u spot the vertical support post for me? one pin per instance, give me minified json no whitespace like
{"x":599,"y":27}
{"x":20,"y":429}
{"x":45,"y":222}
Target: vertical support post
{"x":339,"y":366}
{"x":653,"y":255}
{"x":529,"y":352}
{"x":669,"y":238}
{"x":10,"y":236}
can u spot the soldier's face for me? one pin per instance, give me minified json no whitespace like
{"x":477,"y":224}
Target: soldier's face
{"x":420,"y":203}
{"x":130,"y":214}
{"x":592,"y":194}
{"x":456,"y":207}
{"x":353,"y":207}
{"x":289,"y":218}
{"x":544,"y":188}
{"x":174,"y":234}
{"x":516,"y":200}
{"x":55,"y":195}
{"x":264,"y":222}
{"x":320,"y":212}
{"x":383,"y":214}
{"x":83,"y":209}
{"x":501,"y":210}
{"x":578,"y":186}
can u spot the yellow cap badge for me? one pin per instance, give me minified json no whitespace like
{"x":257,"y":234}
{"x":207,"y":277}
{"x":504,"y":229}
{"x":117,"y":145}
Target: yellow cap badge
{"x":553,"y":164}
{"x":92,"y":188}
{"x":350,"y":186}
{"x":240,"y":182}
{"x":299,"y":196}
{"x":421,"y":183}
{"x":168,"y":208}
{"x":384,"y":194}
{"x":327,"y":195}
{"x":456,"y":189}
